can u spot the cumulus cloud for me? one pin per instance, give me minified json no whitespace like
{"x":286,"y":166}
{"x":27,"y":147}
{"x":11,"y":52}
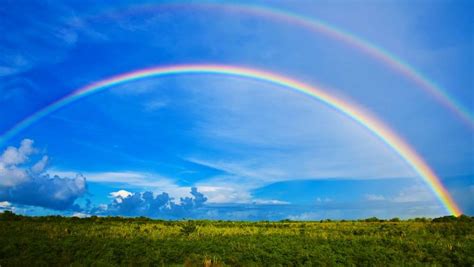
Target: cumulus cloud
{"x":40,"y":165}
{"x":151,"y":205}
{"x":10,"y":172}
{"x":26,"y":183}
{"x":13,"y":155}
{"x":121,"y":194}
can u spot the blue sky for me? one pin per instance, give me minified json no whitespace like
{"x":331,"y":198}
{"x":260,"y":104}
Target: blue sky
{"x":219,"y":147}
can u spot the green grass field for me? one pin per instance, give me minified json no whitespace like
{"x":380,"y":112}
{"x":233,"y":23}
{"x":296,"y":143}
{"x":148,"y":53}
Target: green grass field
{"x":116,"y":241}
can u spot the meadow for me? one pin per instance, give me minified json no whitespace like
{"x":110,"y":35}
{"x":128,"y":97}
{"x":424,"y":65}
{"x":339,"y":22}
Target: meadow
{"x":112,"y":241}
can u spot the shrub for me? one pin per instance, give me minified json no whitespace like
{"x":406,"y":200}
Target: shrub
{"x":188,"y":228}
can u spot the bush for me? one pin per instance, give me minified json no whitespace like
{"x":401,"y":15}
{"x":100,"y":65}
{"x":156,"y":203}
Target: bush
{"x":9,"y":216}
{"x":188,"y":228}
{"x":115,"y":241}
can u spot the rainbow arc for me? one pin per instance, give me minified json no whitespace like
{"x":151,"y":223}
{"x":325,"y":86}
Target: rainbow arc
{"x":371,"y":123}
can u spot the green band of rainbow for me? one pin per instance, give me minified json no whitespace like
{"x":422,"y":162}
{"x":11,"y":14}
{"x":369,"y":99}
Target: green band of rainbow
{"x":319,"y":26}
{"x":368,"y":121}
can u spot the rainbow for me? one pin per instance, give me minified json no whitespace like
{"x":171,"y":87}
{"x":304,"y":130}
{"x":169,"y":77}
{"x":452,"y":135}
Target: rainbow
{"x":319,"y":26}
{"x":352,"y":111}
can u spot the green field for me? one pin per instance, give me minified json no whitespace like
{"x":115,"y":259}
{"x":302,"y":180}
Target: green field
{"x":118,"y":241}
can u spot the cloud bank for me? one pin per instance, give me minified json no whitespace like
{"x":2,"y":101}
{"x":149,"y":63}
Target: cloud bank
{"x":148,"y":204}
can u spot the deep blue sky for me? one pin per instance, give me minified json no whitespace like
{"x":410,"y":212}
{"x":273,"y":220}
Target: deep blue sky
{"x":252,"y":150}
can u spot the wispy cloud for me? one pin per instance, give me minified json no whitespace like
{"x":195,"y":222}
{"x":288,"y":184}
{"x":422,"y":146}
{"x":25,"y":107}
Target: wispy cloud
{"x":242,"y":169}
{"x":255,"y":131}
{"x":127,"y":177}
{"x":270,"y":202}
{"x":155,"y":104}
{"x":374,"y":197}
{"x":225,"y":193}
{"x":43,"y":39}
{"x":415,"y":193}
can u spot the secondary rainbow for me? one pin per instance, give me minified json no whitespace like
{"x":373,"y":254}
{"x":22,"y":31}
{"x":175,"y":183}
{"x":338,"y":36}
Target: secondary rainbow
{"x":351,"y":110}
{"x":322,"y":27}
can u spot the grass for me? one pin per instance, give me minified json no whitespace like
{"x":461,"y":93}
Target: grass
{"x":59,"y":241}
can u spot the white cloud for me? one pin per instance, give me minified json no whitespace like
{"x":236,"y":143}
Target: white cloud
{"x":40,"y":165}
{"x":233,"y":189}
{"x":119,"y":195}
{"x":13,"y":155}
{"x":5,"y":204}
{"x":224,"y":193}
{"x":64,"y":192}
{"x":10,"y":172}
{"x":11,"y":176}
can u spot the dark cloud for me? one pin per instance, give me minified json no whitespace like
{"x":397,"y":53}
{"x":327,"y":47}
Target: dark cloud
{"x":26,"y":183}
{"x":159,"y":206}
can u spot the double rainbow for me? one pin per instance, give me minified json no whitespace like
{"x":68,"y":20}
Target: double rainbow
{"x":320,"y":27}
{"x":352,"y":111}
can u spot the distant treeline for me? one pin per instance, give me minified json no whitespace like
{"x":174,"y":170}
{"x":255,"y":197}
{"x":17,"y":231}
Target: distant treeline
{"x":118,"y":241}
{"x":10,"y":216}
